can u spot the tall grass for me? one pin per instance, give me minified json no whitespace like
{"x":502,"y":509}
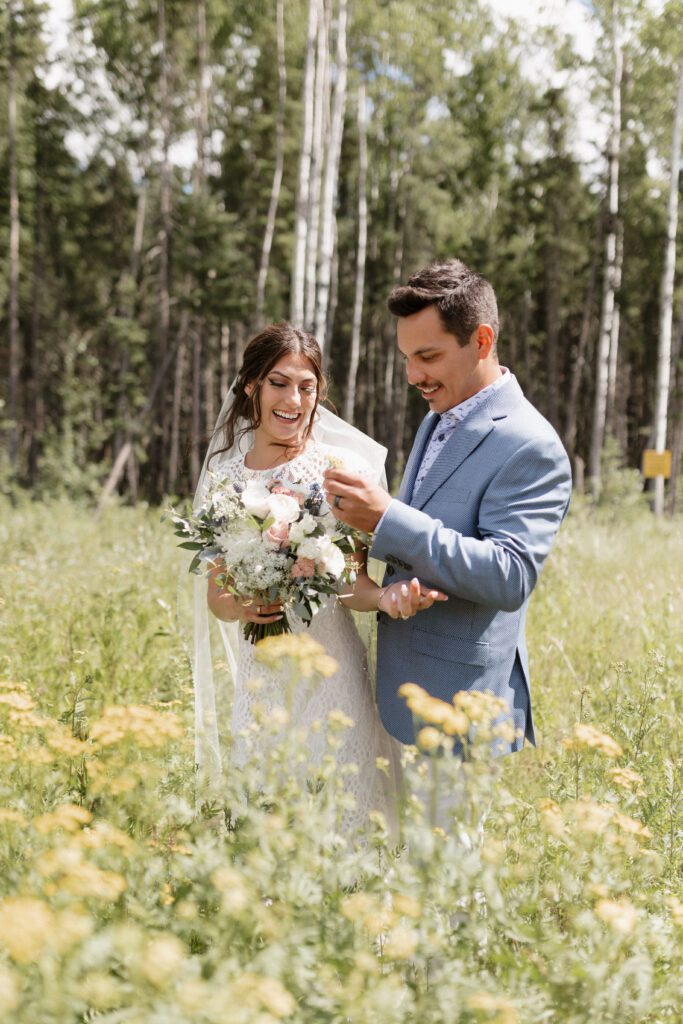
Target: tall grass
{"x":125,"y":898}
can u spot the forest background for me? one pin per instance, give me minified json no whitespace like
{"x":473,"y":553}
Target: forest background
{"x":186,"y":170}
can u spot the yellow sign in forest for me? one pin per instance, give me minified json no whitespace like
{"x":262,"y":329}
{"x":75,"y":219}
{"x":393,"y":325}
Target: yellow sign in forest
{"x":656,"y":463}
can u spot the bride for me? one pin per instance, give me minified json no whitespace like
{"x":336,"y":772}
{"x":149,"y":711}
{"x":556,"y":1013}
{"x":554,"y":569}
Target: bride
{"x":273,"y":427}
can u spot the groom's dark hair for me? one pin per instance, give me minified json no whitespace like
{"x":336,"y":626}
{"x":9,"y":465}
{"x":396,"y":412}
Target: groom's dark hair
{"x":463,"y":299}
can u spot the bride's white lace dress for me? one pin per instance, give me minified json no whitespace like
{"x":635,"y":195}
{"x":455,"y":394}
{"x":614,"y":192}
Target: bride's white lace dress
{"x":349,"y":690}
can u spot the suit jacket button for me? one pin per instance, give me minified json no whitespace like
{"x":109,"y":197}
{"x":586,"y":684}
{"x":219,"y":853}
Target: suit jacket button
{"x":390,"y":570}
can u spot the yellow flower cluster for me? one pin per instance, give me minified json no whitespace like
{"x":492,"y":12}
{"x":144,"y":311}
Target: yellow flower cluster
{"x":587,"y":737}
{"x":590,"y":818}
{"x":74,"y":874}
{"x":469,"y":709}
{"x":68,"y":817}
{"x":140,"y":723}
{"x":29,"y":926}
{"x":620,"y":915}
{"x":627,"y":779}
{"x":307,"y":654}
{"x":493,"y":1009}
{"x":259,"y":992}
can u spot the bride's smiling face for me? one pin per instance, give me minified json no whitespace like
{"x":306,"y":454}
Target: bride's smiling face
{"x":287,"y":397}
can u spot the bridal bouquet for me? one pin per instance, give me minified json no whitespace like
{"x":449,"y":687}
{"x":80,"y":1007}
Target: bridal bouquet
{"x":274,"y":544}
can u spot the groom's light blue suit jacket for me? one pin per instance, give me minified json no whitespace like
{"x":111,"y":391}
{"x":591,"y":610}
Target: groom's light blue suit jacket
{"x":479,"y":528}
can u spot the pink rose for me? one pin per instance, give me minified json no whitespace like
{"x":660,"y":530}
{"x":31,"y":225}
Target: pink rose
{"x":303,"y":568}
{"x":278,"y":535}
{"x":280,"y":489}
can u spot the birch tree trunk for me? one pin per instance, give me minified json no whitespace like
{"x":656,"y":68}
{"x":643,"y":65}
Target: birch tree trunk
{"x":296,"y":305}
{"x":328,"y":213}
{"x":611,"y":413}
{"x":321,"y":117}
{"x":609,"y":283}
{"x":676,"y":415}
{"x":666,"y":297}
{"x":165,"y":228}
{"x":198,"y":179}
{"x":350,"y":398}
{"x":279,"y":167}
{"x":14,"y":233}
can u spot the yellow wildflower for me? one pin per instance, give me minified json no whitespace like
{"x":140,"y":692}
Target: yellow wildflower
{"x":35,"y":754}
{"x":411,"y":690}
{"x":9,"y":990}
{"x":71,"y":927}
{"x":17,"y":701}
{"x":400,"y":944}
{"x":8,"y":748}
{"x":494,"y":1009}
{"x":626,"y":778}
{"x":25,"y":928}
{"x":591,"y":817}
{"x":308,"y":655}
{"x":161,"y":958}
{"x":676,"y":907}
{"x":62,"y":742}
{"x":231,"y":884}
{"x":100,"y":990}
{"x":339,"y":719}
{"x":259,"y":992}
{"x":552,"y":819}
{"x":620,"y":915}
{"x":587,"y":737}
{"x":68,"y":817}
{"x":480,"y":708}
{"x":407,"y":906}
{"x":9,"y":816}
{"x":145,"y":726}
{"x":631,"y":826}
{"x":429,"y":738}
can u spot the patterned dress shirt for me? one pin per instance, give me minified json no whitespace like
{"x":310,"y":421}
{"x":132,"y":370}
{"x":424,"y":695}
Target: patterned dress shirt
{"x":449,"y":421}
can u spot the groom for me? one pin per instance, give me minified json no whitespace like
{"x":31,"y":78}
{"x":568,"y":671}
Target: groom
{"x":484,"y":492}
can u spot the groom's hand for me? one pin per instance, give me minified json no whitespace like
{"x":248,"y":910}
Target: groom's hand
{"x":355,"y":500}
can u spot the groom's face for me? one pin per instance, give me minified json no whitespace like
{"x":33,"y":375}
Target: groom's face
{"x":445,"y":372}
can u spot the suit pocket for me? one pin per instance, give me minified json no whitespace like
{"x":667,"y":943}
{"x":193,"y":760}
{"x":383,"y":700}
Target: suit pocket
{"x":451,"y":648}
{"x":458,"y":495}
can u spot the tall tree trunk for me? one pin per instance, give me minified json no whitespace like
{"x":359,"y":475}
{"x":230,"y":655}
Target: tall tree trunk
{"x":198,"y":180}
{"x":224,"y":362}
{"x":609,"y":282}
{"x":34,"y":398}
{"x":328,"y":224}
{"x":164,"y":325}
{"x":321,"y":117}
{"x":666,"y":297}
{"x":552,"y":330}
{"x":296,"y":310}
{"x":579,"y":365}
{"x":14,"y":232}
{"x":279,"y":167}
{"x":361,"y":253}
{"x":676,"y":415}
{"x":611,"y":411}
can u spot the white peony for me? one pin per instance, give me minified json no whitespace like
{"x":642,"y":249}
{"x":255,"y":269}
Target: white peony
{"x":311,"y":547}
{"x":256,"y":499}
{"x":303,"y":528}
{"x":283,"y":508}
{"x":330,"y":558}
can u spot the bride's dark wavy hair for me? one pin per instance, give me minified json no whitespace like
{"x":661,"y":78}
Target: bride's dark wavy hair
{"x":261,"y":354}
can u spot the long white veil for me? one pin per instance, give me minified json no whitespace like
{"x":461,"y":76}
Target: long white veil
{"x":211,"y":700}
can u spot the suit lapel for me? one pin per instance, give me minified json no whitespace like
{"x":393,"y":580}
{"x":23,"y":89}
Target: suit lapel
{"x":415,"y":457}
{"x":466,"y":437}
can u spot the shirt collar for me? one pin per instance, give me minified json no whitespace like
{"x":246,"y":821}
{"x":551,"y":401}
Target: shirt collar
{"x":457,"y":413}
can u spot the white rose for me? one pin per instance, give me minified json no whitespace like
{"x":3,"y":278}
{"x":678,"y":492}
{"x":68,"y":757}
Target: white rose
{"x":284,"y":508}
{"x":331,"y":559}
{"x":256,"y":499}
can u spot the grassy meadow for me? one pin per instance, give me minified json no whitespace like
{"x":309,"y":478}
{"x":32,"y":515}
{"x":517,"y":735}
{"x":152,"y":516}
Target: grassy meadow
{"x":127,"y":896}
